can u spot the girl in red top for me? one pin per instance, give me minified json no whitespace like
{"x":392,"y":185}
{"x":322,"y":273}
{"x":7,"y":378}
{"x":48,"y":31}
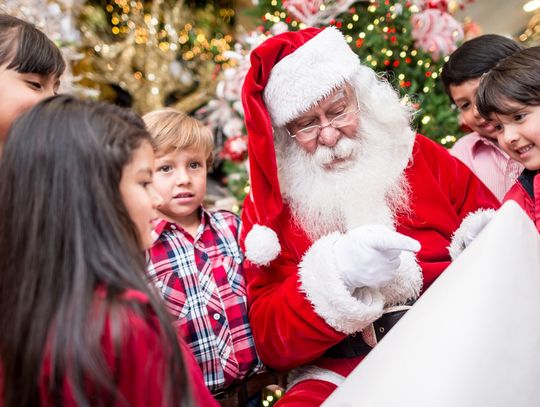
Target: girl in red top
{"x":80,"y":327}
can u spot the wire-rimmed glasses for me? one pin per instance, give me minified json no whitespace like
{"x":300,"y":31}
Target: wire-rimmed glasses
{"x":311,"y":132}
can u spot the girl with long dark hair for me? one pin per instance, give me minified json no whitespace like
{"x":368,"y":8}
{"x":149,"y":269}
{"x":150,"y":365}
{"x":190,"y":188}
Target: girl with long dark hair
{"x":79,"y":325}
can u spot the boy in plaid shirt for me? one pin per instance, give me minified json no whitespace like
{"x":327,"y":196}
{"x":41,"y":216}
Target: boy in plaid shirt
{"x":195,"y":261}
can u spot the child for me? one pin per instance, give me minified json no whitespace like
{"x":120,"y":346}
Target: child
{"x":461,"y":75}
{"x":30,"y":69}
{"x":195,"y":261}
{"x":509,"y":95}
{"x":79,"y":325}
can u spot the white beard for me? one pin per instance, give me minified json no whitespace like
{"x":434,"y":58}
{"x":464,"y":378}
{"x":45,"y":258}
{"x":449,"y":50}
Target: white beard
{"x":368,"y":189}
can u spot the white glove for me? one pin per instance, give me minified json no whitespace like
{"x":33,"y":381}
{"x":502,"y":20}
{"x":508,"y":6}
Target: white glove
{"x":476,"y":225}
{"x":369,"y":255}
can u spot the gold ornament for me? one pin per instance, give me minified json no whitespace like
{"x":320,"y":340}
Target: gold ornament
{"x":151,"y":51}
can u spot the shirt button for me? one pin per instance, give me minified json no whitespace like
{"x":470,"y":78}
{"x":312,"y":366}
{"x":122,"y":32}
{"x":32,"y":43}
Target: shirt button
{"x":173,"y":227}
{"x":159,"y":284}
{"x":217,"y":316}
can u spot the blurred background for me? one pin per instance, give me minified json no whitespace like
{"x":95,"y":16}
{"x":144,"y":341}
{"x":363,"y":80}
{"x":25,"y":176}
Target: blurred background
{"x":193,"y":55}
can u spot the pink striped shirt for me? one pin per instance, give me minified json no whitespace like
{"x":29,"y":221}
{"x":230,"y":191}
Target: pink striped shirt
{"x":488,"y":162}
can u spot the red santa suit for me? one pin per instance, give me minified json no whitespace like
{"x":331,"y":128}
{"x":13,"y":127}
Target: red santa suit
{"x":300,"y":309}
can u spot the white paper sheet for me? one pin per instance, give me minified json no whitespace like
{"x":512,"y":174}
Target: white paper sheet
{"x":473,"y":339}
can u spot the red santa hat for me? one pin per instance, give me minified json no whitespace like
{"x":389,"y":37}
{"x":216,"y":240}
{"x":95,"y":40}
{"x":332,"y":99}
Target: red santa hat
{"x":289,"y":73}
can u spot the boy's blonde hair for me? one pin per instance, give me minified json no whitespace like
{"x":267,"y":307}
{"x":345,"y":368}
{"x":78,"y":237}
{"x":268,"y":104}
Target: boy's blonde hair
{"x":174,"y":130}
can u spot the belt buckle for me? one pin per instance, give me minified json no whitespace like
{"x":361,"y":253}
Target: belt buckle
{"x":369,"y":336}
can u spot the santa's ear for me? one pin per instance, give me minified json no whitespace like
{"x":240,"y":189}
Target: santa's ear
{"x":262,"y":245}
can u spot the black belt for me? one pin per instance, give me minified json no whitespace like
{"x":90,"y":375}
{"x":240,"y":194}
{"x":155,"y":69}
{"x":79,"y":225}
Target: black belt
{"x":359,"y":344}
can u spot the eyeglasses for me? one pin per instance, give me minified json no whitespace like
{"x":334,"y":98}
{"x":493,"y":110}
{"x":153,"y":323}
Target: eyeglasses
{"x":312,"y":132}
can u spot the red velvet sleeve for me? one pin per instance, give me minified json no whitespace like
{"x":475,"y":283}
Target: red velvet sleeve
{"x":443,"y":192}
{"x":287,"y":331}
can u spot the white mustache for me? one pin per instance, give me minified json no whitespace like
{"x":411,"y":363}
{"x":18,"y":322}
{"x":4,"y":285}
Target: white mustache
{"x":345,"y":148}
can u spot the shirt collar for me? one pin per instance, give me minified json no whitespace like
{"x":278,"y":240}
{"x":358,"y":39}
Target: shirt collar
{"x":479,"y":142}
{"x":164,"y":224}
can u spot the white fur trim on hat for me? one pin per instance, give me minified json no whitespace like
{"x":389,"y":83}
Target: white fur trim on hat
{"x":308,"y":74}
{"x":262,"y":245}
{"x":407,"y":284}
{"x":458,"y":243}
{"x":331,"y":299}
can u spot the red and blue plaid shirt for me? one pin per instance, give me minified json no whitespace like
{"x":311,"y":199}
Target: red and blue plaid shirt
{"x":202,"y":281}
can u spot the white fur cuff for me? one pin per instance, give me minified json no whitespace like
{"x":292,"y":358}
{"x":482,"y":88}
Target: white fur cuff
{"x":461,"y":237}
{"x":407,"y":284}
{"x":330,"y":297}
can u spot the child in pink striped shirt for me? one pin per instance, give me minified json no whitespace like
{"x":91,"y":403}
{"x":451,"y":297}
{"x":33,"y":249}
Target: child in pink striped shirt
{"x":479,"y":150}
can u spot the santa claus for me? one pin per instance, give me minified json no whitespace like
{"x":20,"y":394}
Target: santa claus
{"x":350,"y":213}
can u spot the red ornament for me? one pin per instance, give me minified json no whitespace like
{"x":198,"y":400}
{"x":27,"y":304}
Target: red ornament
{"x":288,"y":20}
{"x":359,"y":42}
{"x":393,"y":38}
{"x":386,"y":62}
{"x":339,"y":24}
{"x":428,"y":74}
{"x":235,"y":149}
{"x":396,"y":63}
{"x":408,"y":60}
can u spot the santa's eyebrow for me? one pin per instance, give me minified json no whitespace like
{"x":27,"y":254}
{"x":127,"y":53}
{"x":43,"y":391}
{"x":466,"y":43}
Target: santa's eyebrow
{"x":340,"y":94}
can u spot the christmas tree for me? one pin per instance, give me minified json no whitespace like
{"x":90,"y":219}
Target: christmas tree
{"x":406,"y":41}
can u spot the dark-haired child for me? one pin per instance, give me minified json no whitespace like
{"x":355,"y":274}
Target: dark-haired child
{"x":80,"y":326}
{"x":509,"y":96}
{"x":460,"y":76}
{"x":30,"y":69}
